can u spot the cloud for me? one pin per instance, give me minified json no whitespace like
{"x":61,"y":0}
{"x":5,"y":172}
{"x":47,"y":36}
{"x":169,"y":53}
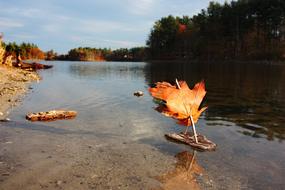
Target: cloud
{"x":22,"y":12}
{"x":101,"y":42}
{"x":122,"y":43}
{"x":10,"y":23}
{"x":140,"y":7}
{"x":102,"y":26}
{"x":99,"y":25}
{"x":95,"y":26}
{"x":30,"y":12}
{"x":52,"y":28}
{"x":22,"y":36}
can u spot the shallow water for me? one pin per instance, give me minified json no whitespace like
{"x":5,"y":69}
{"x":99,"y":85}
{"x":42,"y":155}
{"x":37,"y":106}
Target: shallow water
{"x":245,"y":115}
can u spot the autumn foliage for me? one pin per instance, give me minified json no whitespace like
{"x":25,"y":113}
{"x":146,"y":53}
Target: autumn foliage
{"x":182,"y":28}
{"x":25,"y":50}
{"x":4,"y":58}
{"x":235,"y":30}
{"x":180,"y":101}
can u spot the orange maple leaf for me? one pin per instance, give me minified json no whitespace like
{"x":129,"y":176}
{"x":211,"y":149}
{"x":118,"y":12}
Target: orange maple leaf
{"x":182,"y":28}
{"x":181,"y":102}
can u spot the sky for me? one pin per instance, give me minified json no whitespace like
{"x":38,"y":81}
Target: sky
{"x":65,"y":24}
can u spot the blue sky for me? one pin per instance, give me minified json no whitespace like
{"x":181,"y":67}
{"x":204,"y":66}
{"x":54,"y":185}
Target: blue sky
{"x":65,"y":24}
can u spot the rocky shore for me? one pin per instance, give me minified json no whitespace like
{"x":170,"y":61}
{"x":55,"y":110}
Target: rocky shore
{"x":13,"y":83}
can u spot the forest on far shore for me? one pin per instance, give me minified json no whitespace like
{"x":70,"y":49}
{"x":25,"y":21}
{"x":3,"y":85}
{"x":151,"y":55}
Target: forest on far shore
{"x":237,"y":30}
{"x":32,"y":51}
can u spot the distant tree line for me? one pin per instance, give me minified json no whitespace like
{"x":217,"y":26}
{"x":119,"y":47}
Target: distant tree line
{"x":100,"y":54}
{"x":85,"y":54}
{"x":25,"y":50}
{"x":124,"y":54}
{"x":243,"y":29}
{"x":31,"y":51}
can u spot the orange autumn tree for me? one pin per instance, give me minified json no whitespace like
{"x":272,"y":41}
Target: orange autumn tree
{"x":181,"y":102}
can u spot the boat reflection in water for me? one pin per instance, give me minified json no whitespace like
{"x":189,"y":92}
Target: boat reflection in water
{"x":185,"y":174}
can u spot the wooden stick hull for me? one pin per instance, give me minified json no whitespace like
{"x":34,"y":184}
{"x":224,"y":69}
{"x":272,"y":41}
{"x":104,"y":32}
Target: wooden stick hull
{"x":203,"y":142}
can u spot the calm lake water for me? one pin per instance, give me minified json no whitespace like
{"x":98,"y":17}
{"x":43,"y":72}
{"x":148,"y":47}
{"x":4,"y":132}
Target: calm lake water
{"x":245,"y":115}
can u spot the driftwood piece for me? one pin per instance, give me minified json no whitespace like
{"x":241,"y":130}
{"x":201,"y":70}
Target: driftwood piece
{"x":51,"y":115}
{"x":203,"y":142}
{"x":31,"y":66}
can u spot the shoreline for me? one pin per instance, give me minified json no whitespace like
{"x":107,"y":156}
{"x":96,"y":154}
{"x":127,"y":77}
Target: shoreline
{"x":154,"y":61}
{"x":266,"y":62}
{"x":13,"y":85}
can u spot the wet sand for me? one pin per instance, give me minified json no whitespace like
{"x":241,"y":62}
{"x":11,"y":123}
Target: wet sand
{"x":13,"y":84}
{"x":39,"y":160}
{"x":33,"y":159}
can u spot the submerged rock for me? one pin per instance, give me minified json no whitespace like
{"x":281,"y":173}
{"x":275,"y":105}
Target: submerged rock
{"x":5,"y":120}
{"x":138,"y":93}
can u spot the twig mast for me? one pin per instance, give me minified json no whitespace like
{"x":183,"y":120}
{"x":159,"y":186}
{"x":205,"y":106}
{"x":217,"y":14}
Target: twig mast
{"x":191,"y":118}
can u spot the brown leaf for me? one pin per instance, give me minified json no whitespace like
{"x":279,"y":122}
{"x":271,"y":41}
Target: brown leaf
{"x":180,"y":102}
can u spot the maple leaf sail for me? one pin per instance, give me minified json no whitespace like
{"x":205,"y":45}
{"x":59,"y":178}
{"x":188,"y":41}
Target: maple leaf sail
{"x":181,"y":102}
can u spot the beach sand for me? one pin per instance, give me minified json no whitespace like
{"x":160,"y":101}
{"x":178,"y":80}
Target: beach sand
{"x":13,"y":84}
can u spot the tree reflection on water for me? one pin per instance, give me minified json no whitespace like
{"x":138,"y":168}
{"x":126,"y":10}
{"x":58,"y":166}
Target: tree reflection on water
{"x":250,"y":95}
